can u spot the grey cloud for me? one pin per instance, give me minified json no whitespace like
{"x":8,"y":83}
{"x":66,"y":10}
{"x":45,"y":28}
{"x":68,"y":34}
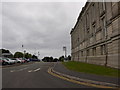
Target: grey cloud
{"x":43,"y":27}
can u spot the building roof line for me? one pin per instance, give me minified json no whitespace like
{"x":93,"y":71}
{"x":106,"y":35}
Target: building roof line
{"x":79,"y":17}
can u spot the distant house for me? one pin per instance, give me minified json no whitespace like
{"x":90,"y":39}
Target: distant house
{"x":5,"y":53}
{"x":8,"y":55}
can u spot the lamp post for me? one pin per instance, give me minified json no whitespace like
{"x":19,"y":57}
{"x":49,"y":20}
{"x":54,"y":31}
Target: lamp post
{"x":24,"y":53}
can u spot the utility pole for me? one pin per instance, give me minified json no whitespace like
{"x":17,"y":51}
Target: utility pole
{"x":24,"y":53}
{"x":23,"y":50}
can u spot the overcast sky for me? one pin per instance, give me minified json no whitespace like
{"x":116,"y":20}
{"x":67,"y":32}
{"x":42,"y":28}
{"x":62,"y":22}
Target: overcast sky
{"x":40,"y":26}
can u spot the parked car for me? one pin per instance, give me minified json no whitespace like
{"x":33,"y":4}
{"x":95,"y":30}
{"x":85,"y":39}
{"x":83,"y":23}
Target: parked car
{"x":34,"y":59}
{"x":18,"y":60}
{"x":13,"y":60}
{"x":27,"y":60}
{"x":22,"y":60}
{"x":7,"y":61}
{"x":1,"y":61}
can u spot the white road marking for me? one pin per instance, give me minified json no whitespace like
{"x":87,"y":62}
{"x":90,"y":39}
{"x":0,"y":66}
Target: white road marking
{"x":34,"y":70}
{"x":22,"y":69}
{"x":30,"y":71}
{"x":37,"y":70}
{"x":18,"y":70}
{"x":12,"y":70}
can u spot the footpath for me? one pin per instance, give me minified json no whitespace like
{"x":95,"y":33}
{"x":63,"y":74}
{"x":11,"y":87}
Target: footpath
{"x":90,"y":79}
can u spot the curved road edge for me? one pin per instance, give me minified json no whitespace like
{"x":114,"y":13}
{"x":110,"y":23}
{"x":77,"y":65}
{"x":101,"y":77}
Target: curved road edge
{"x":81,"y":81}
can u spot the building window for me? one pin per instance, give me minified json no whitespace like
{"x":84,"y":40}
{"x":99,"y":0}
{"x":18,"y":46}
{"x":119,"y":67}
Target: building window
{"x":94,"y":31}
{"x":81,"y":53}
{"x":78,"y":39}
{"x":88,"y":52}
{"x":94,"y":51}
{"x":103,"y":49}
{"x":87,"y":20}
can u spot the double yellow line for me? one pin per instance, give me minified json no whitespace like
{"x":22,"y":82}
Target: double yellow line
{"x":78,"y":82}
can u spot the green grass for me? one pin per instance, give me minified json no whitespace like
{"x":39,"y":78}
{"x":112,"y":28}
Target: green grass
{"x":91,"y":68}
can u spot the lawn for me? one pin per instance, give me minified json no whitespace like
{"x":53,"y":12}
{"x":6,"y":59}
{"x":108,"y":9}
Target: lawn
{"x":91,"y":68}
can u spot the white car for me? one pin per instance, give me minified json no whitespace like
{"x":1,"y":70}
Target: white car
{"x":8,"y":61}
{"x":14,"y":59}
{"x":19,"y":60}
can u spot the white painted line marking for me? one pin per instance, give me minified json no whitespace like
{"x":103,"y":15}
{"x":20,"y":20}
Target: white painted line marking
{"x":30,"y":71}
{"x":22,"y":69}
{"x":37,"y":70}
{"x":18,"y":70}
{"x":34,"y":70}
{"x":12,"y":70}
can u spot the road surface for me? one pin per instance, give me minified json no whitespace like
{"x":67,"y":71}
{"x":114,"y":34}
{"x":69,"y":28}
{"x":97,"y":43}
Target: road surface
{"x":34,"y":75}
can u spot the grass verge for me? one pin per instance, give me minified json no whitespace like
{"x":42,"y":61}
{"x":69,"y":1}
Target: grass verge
{"x":91,"y":68}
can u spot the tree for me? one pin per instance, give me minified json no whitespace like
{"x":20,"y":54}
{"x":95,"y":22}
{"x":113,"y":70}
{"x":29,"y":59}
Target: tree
{"x":18,"y":55}
{"x":30,"y":55}
{"x":45,"y":59}
{"x":27,"y":55}
{"x":61,"y":58}
{"x":48,"y":59}
{"x":34,"y":57}
{"x":4,"y":51}
{"x":69,"y":57}
{"x":55,"y":60}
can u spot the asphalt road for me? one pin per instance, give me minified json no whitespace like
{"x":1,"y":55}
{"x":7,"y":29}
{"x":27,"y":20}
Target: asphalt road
{"x":34,"y":76}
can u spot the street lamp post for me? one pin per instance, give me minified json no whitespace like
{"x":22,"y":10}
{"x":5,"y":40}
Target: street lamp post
{"x":24,"y":53}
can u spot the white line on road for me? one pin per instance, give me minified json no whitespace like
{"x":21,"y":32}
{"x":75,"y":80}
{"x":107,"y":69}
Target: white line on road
{"x":37,"y":70}
{"x":22,"y":69}
{"x":12,"y":70}
{"x":18,"y":70}
{"x":30,"y":71}
{"x":34,"y":70}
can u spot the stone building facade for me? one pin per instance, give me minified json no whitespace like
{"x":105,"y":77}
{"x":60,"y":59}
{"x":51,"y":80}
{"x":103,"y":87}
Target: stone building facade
{"x":95,"y":37}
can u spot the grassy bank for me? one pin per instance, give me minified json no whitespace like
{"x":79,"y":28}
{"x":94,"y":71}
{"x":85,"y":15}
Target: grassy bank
{"x":91,"y":68}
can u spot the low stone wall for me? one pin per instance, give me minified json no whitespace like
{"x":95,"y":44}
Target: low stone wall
{"x":113,"y":60}
{"x":99,"y":60}
{"x":82,"y":59}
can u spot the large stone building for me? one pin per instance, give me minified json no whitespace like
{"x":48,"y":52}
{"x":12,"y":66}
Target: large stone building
{"x":95,"y":37}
